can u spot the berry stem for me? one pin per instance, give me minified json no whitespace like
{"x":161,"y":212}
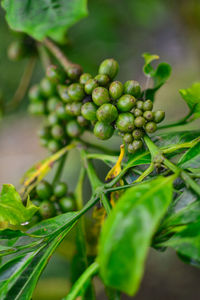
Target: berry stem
{"x":55,"y":50}
{"x":44,"y":56}
{"x":106,"y":203}
{"x":145,"y":173}
{"x":59,"y":170}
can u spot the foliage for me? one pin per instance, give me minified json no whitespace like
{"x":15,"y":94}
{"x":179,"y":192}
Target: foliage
{"x":150,"y":196}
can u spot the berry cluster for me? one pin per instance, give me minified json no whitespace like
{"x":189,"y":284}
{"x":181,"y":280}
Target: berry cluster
{"x":82,"y":102}
{"x":52,"y":199}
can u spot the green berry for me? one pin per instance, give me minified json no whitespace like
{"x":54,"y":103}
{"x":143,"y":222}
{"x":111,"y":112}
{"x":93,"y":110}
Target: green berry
{"x":44,"y":190}
{"x":159,"y":116}
{"x":90,"y":85}
{"x":107,"y":113}
{"x":47,"y":87}
{"x":131,"y":149}
{"x":59,"y":189}
{"x":76,"y":91}
{"x":57,"y":132}
{"x":44,"y":142}
{"x":137,"y":144}
{"x":54,"y":74}
{"x":73,"y":109}
{"x":138,"y":134}
{"x":47,"y":209}
{"x":44,"y":132}
{"x":132,"y":87}
{"x":109,"y":67}
{"x":126,"y":103}
{"x":37,"y":108}
{"x":82,"y":121}
{"x":54,"y":145}
{"x":34,"y":93}
{"x":63,"y":93}
{"x":127,"y":138}
{"x":52,"y":103}
{"x":61,"y":112}
{"x":116,"y":90}
{"x":148,"y":105}
{"x":74,"y":72}
{"x":85,"y":77}
{"x":140,"y":122}
{"x":139,"y":104}
{"x":148,"y":115}
{"x":100,"y":96}
{"x":150,"y":127}
{"x":102,"y":79}
{"x":73,"y":129}
{"x":17,"y":50}
{"x":88,"y":111}
{"x":103,"y":131}
{"x":125,"y":122}
{"x":66,"y":204}
{"x":137,"y":112}
{"x":52,"y":119}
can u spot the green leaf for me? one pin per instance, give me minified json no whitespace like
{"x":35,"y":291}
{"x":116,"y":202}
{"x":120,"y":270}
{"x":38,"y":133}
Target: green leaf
{"x":128,"y":231}
{"x":192,"y":98}
{"x":187,"y":242}
{"x":148,"y":58}
{"x":12,"y":210}
{"x":44,"y":18}
{"x":19,"y":273}
{"x":191,"y":158}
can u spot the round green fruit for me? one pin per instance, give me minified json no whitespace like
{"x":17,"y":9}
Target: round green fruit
{"x":102,"y":79}
{"x":63,"y":93}
{"x":74,"y":72}
{"x":66,"y":204}
{"x":61,"y":112}
{"x":107,"y":113}
{"x":74,"y":108}
{"x":44,"y":190}
{"x":57,"y":132}
{"x":127,"y":138}
{"x":148,"y":105}
{"x":138,"y":134}
{"x":17,"y":50}
{"x":132,"y":87}
{"x":148,"y":115}
{"x":100,"y":96}
{"x":90,"y":85}
{"x":137,"y":112}
{"x":47,"y":87}
{"x":139,"y":104}
{"x":82,"y":121}
{"x":88,"y":111}
{"x":150,"y":127}
{"x":137,"y":144}
{"x":44,"y":132}
{"x":73,"y":129}
{"x":126,"y":103}
{"x":103,"y":131}
{"x":109,"y":67}
{"x":54,"y":145}
{"x":52,"y":119}
{"x":54,"y":74}
{"x":116,"y":90}
{"x":59,"y":189}
{"x":125,"y":122}
{"x":140,"y":122}
{"x":159,"y":116}
{"x":76,"y":92}
{"x":85,"y":77}
{"x":37,"y":108}
{"x":52,"y":104}
{"x":47,"y":209}
{"x":34,"y":93}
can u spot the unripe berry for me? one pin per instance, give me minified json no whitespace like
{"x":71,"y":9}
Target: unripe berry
{"x":73,"y":109}
{"x":47,"y":87}
{"x":76,"y":91}
{"x":73,"y":129}
{"x":34,"y":93}
{"x":54,"y":74}
{"x":44,"y":190}
{"x":139,"y":104}
{"x":138,"y":134}
{"x":66,"y":204}
{"x":52,"y":119}
{"x":54,"y":145}
{"x":57,"y":132}
{"x":140,"y":122}
{"x":102,"y":79}
{"x":116,"y":90}
{"x":127,"y":138}
{"x":82,"y":121}
{"x":61,"y":112}
{"x":88,"y":111}
{"x":85,"y":77}
{"x":44,"y":132}
{"x":100,"y":96}
{"x":74,"y":72}
{"x":131,"y":149}
{"x":17,"y":50}
{"x":148,"y":105}
{"x":137,"y":144}
{"x":103,"y":131}
{"x":46,"y":210}
{"x":126,"y":103}
{"x":37,"y":108}
{"x":63,"y":93}
{"x":137,"y":112}
{"x":90,"y":85}
{"x":159,"y":116}
{"x":150,"y":127}
{"x":52,"y":104}
{"x":148,"y":115}
{"x":59,"y":189}
{"x":132,"y":87}
{"x":125,"y":122}
{"x":109,"y":67}
{"x":107,"y":113}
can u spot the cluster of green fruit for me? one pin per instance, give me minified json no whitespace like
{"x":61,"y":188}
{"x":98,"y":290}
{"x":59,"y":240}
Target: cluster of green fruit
{"x":82,"y":102}
{"x":52,"y":200}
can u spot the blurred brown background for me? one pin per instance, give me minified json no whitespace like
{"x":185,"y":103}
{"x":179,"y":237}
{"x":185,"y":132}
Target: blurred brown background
{"x":123,"y":30}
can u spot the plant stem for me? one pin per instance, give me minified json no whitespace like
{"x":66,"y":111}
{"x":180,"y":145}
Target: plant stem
{"x":59,"y":170}
{"x":106,"y":203}
{"x":79,"y":284}
{"x":55,"y":50}
{"x":44,"y":56}
{"x":23,"y":85}
{"x":145,"y":173}
{"x":189,"y":181}
{"x":79,"y":189}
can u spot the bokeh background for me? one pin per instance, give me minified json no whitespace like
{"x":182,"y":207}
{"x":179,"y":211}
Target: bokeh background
{"x":123,"y":30}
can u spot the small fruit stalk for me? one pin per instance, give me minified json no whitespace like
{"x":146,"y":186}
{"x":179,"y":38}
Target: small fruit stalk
{"x":73,"y":102}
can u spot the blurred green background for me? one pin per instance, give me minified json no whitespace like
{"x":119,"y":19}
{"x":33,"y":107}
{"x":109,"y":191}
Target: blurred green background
{"x":123,"y":30}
